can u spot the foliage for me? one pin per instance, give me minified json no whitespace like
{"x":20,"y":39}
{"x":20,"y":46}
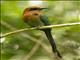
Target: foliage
{"x":33,"y":45}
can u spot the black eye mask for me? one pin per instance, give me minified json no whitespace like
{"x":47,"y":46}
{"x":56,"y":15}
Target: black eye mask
{"x":37,"y":9}
{"x":34,"y":9}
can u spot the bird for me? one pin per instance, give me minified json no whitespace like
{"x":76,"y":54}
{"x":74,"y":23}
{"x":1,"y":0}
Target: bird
{"x":35,"y":17}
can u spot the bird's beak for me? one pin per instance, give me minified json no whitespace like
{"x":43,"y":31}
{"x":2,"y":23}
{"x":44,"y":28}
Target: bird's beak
{"x":43,"y":8}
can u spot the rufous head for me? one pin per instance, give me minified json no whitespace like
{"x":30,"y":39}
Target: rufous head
{"x":33,"y":8}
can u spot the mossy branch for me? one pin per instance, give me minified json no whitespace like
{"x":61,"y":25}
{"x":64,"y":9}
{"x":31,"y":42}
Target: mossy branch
{"x":42,"y":27}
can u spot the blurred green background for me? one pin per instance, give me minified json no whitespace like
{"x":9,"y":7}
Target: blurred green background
{"x":33,"y":44}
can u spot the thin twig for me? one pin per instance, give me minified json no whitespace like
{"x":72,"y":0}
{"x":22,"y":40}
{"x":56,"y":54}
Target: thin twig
{"x":32,"y":52}
{"x":43,"y":45}
{"x":34,"y":49}
{"x":43,"y":27}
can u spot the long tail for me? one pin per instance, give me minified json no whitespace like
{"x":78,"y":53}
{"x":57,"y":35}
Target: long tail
{"x":52,"y":42}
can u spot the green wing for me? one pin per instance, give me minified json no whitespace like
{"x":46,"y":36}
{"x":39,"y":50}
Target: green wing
{"x":45,"y":20}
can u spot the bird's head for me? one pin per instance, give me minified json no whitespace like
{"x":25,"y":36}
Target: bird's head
{"x":33,"y":8}
{"x":33,"y":11}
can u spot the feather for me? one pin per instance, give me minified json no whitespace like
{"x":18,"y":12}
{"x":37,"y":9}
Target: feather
{"x":52,"y":42}
{"x":45,"y":20}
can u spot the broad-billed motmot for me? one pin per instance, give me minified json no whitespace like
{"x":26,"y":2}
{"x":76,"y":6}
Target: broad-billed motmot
{"x":35,"y":17}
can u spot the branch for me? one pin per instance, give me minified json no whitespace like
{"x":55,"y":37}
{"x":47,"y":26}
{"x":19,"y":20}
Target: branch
{"x":43,"y":27}
{"x":32,"y":52}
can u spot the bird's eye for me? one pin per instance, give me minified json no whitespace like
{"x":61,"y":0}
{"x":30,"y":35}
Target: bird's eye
{"x":35,"y":14}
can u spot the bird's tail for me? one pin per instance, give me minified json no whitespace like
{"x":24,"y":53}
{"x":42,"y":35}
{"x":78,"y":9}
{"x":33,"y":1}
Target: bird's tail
{"x":52,"y":42}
